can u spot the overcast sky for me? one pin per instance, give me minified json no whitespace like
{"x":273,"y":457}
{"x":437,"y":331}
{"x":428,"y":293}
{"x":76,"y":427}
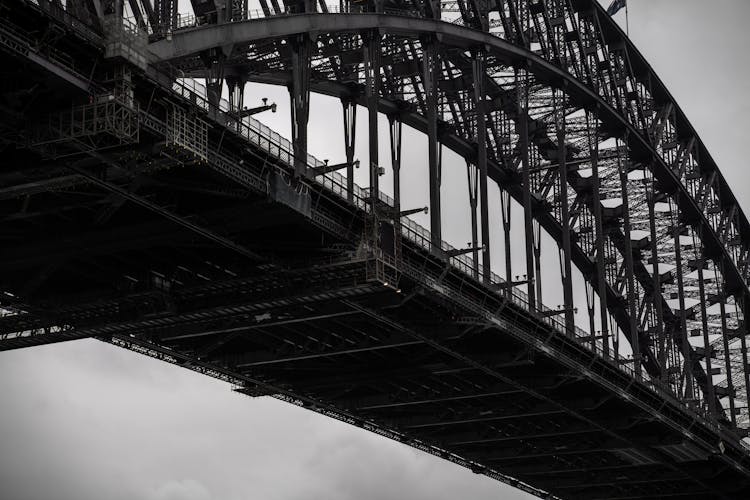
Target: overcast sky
{"x":86,"y":421}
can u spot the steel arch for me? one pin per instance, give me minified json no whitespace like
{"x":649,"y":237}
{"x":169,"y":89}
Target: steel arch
{"x":553,"y":387}
{"x":191,"y":42}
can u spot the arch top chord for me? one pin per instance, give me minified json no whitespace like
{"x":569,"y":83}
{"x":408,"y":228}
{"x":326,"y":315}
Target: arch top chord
{"x":611,"y":122}
{"x":186,"y":43}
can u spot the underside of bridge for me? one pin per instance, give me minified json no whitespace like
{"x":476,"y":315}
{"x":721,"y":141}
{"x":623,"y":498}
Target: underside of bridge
{"x":138,"y":208}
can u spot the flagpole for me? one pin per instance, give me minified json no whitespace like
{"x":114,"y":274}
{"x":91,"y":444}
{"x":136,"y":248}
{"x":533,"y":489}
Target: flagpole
{"x":627,"y":21}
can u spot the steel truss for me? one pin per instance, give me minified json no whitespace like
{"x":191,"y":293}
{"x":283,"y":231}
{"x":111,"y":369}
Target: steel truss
{"x":548,"y":99}
{"x":622,"y":174}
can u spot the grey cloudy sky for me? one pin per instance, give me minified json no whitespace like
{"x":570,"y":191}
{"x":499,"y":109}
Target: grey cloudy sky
{"x":85,"y":420}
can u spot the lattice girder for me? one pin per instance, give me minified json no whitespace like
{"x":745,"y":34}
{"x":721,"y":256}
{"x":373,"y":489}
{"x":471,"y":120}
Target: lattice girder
{"x":401,"y":82}
{"x":548,"y":100}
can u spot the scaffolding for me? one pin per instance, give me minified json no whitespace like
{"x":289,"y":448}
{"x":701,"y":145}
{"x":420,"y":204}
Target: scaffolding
{"x":187,"y":133}
{"x":105,"y":122}
{"x":382,"y":268}
{"x":383,"y":250}
{"x":109,"y":118}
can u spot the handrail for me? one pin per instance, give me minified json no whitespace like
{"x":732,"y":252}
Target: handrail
{"x":281,"y":148}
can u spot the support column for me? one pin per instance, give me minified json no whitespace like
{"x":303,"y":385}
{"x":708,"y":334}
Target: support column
{"x":722,"y":291}
{"x":592,"y":126}
{"x":236,"y":85}
{"x":656,"y":280}
{"x":505,"y":211}
{"x":710,"y":394}
{"x":238,"y":10}
{"x":164,"y":14}
{"x":479,"y":67}
{"x":213,"y":60}
{"x":537,"y":240}
{"x":744,"y":332}
{"x":299,"y":93}
{"x":566,"y":267}
{"x":591,"y":307}
{"x":523,"y":144}
{"x":113,"y":7}
{"x":623,"y":167}
{"x":395,"y":129}
{"x":430,"y":75}
{"x":434,"y":9}
{"x":472,"y":177}
{"x":372,"y":86}
{"x":349,"y":105}
{"x":685,"y":344}
{"x":174,"y":14}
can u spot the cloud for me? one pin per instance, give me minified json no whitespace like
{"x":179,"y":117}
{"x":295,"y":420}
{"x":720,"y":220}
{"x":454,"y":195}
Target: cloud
{"x":76,"y":429}
{"x":186,"y":489}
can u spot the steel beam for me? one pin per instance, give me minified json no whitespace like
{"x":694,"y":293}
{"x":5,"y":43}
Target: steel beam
{"x":710,"y":395}
{"x":505,"y":212}
{"x":522,"y":84}
{"x":299,"y":93}
{"x":566,"y":268}
{"x":687,"y":370}
{"x":479,"y":70}
{"x":634,"y":333}
{"x":430,"y":82}
{"x":350,"y":130}
{"x":372,"y":52}
{"x":577,"y":90}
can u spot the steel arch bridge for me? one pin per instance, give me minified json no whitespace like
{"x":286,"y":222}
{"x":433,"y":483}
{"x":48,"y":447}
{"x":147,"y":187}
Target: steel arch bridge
{"x":140,"y":208}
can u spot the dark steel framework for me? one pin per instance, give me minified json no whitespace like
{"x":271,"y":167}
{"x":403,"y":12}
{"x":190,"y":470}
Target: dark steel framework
{"x":140,"y":208}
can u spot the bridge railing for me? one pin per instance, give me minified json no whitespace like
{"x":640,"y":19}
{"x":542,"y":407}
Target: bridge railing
{"x":190,"y":20}
{"x":60,"y":14}
{"x":282,"y":149}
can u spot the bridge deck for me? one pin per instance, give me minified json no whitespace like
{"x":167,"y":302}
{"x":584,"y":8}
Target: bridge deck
{"x":205,"y":254}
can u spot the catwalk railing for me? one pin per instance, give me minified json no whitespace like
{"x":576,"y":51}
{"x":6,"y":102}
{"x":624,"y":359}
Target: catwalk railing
{"x":281,"y":148}
{"x":722,"y":221}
